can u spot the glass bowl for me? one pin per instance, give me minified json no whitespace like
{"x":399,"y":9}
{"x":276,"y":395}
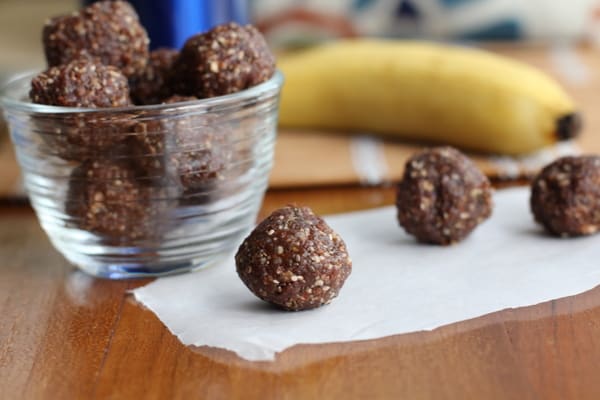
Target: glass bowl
{"x":145,"y":190}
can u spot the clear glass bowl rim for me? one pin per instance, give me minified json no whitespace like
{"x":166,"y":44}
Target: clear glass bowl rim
{"x":267,"y":88}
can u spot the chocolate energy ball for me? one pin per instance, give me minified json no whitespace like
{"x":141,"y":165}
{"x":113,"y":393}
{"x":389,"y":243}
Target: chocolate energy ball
{"x":565,"y":196}
{"x":108,"y":30}
{"x":442,"y":196}
{"x":294,"y":260}
{"x":224,"y":60}
{"x":187,"y":149}
{"x":152,"y":85}
{"x":81,"y":83}
{"x":107,"y":199}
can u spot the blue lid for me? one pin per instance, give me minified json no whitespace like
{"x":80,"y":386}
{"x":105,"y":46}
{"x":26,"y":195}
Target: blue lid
{"x":170,"y":22}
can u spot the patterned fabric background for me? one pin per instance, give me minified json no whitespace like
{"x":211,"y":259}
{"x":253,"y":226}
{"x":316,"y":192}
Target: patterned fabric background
{"x":293,"y":21}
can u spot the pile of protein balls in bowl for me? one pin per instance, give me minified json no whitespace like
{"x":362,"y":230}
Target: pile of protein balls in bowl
{"x":98,"y":61}
{"x":99,"y":57}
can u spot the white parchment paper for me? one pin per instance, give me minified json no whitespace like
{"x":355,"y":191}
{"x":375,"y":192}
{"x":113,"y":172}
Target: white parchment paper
{"x":396,"y":286}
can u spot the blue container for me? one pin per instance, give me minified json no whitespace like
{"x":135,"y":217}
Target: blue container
{"x":170,"y":22}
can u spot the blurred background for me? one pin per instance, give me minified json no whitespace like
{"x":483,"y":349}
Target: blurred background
{"x":304,"y":20}
{"x":561,"y":37}
{"x":300,"y":22}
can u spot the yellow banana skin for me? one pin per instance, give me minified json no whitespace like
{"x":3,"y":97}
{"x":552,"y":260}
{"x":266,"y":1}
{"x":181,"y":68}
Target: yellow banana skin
{"x":429,"y":92}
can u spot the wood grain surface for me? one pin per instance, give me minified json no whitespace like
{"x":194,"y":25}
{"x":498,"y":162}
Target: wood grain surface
{"x":64,"y":335}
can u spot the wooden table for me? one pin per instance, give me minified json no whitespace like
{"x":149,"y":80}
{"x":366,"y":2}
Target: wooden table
{"x":65,"y":335}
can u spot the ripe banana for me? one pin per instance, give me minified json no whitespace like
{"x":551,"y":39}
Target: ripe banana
{"x":426,"y":92}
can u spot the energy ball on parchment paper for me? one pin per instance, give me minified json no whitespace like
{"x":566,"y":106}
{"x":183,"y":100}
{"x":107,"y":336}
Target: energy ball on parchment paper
{"x":151,"y":86}
{"x":565,"y":196}
{"x":188,"y":149}
{"x":82,"y":83}
{"x":443,"y":196}
{"x":106,"y":198}
{"x":224,"y":60}
{"x":107,"y":30}
{"x":294,"y":260}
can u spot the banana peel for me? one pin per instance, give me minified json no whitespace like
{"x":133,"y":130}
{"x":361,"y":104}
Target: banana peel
{"x":421,"y":91}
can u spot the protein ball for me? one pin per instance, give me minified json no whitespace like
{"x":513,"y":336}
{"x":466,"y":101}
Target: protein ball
{"x":294,"y":260}
{"x":152,"y":85}
{"x":187,"y":149}
{"x":224,"y":60}
{"x":81,"y":83}
{"x":442,"y":197}
{"x":107,"y":199}
{"x":565,"y":196}
{"x":108,"y":30}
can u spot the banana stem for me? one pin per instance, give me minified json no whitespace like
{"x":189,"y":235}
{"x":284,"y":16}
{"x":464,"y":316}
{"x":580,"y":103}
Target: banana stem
{"x":569,"y":126}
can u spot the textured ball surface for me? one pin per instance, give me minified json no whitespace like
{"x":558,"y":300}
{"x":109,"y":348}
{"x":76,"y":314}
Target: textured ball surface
{"x":294,"y":260}
{"x":107,"y":199}
{"x":151,"y":86}
{"x":442,"y":197}
{"x":81,"y":83}
{"x":224,"y":60}
{"x":188,"y":150}
{"x":107,"y":30}
{"x":565,"y":196}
